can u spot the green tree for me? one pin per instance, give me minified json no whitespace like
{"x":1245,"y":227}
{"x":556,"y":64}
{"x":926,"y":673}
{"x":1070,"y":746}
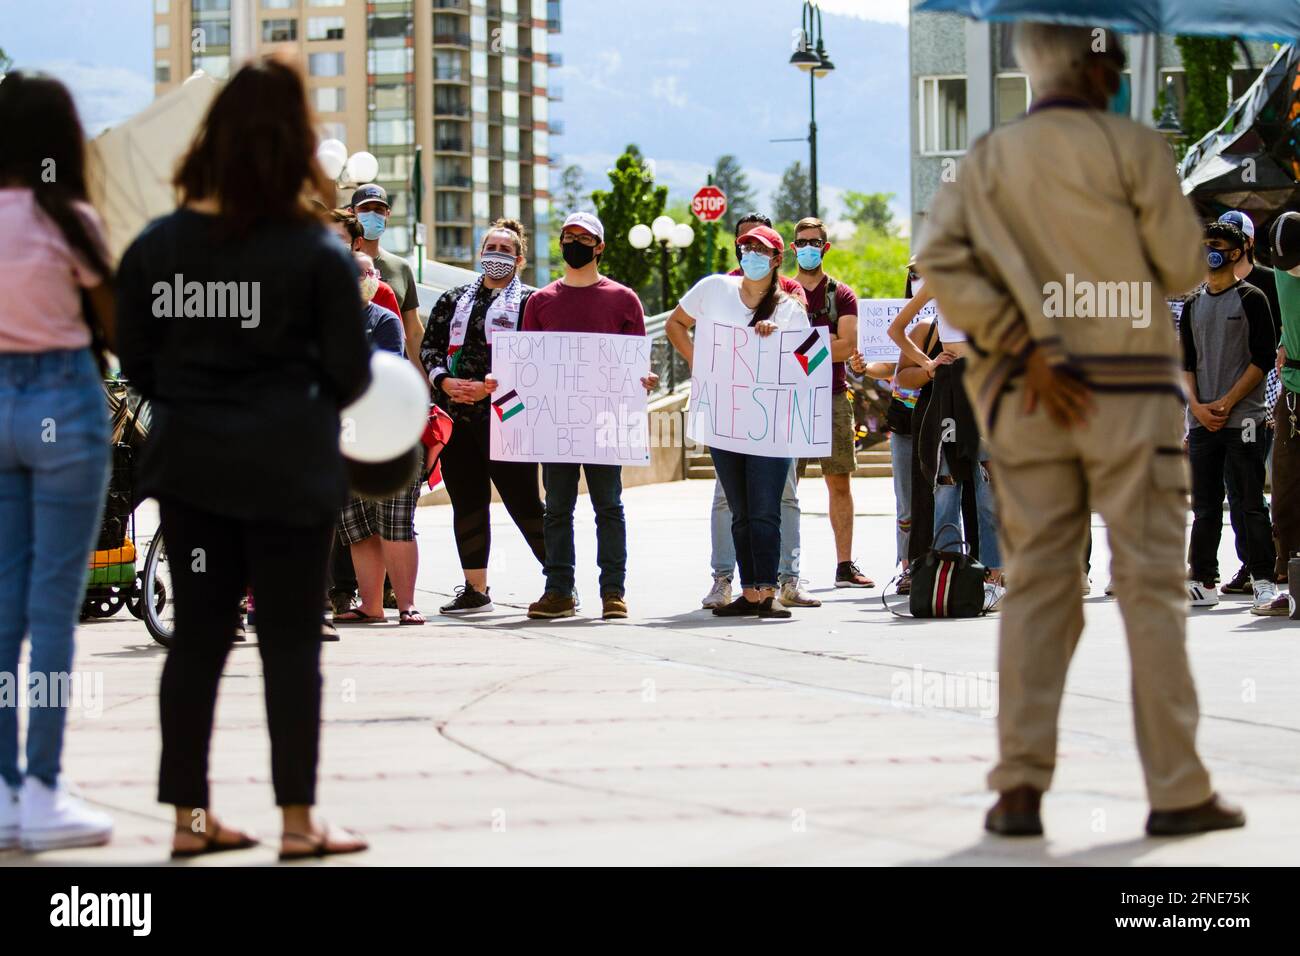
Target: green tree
{"x":572,"y":193}
{"x":870,"y":210}
{"x":632,"y":198}
{"x":5,"y":62}
{"x":793,"y":197}
{"x":1208,"y":64}
{"x":731,"y":179}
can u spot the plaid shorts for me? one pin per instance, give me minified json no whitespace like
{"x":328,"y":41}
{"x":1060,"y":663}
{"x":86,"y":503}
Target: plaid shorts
{"x":393,"y":519}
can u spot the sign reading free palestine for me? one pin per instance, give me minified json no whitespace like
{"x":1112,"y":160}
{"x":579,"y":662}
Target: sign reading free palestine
{"x":570,"y":397}
{"x":761,"y":395}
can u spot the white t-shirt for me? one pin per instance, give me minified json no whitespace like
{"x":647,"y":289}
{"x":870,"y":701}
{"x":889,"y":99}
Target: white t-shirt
{"x":717,"y":299}
{"x":946,"y":331}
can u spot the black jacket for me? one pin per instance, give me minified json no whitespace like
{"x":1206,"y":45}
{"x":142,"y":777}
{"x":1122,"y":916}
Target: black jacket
{"x":246,"y":389}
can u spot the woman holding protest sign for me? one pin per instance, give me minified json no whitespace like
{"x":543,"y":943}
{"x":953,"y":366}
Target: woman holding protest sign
{"x":753,"y":483}
{"x":457,"y":356}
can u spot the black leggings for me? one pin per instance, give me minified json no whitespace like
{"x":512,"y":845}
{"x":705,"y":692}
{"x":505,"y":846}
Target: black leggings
{"x":469,"y":473}
{"x":213,"y":559}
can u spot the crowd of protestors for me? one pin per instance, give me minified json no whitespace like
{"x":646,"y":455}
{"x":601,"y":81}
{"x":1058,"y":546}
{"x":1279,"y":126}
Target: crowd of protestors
{"x":1006,"y":426}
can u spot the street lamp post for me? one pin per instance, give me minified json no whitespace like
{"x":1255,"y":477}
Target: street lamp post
{"x":810,"y":56}
{"x":669,"y":235}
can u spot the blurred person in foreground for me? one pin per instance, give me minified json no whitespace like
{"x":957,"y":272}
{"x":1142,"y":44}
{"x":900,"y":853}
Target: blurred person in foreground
{"x":56,"y":315}
{"x":1082,"y":403}
{"x":246,"y":381}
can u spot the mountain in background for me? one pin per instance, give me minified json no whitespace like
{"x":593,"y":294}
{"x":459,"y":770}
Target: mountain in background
{"x":688,"y":81}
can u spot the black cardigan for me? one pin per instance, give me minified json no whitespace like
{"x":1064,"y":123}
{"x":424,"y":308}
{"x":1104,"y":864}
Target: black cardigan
{"x":245,"y":400}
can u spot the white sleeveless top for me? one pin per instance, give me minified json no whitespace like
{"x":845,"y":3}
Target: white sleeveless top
{"x":946,"y":331}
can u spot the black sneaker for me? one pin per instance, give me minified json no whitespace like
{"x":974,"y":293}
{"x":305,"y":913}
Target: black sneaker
{"x":1240,"y":583}
{"x":847,"y":575}
{"x":768,"y":607}
{"x":468,"y":601}
{"x":741,"y":607}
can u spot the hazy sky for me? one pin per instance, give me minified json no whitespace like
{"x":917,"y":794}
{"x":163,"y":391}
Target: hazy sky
{"x":664,"y":68}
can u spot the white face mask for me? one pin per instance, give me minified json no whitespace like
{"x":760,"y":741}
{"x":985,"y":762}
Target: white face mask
{"x":369,"y":286}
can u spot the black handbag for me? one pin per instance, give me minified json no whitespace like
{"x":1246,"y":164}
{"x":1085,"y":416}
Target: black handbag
{"x":947,"y":584}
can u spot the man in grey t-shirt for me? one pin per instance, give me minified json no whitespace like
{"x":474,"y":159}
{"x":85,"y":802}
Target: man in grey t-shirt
{"x":1228,"y":347}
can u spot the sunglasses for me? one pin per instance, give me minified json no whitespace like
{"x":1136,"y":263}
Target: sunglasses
{"x":805,"y":243}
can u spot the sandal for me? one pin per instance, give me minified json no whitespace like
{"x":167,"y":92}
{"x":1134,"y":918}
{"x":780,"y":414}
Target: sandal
{"x":410,"y":617}
{"x":354,"y":615}
{"x":210,"y":844}
{"x":326,"y":845}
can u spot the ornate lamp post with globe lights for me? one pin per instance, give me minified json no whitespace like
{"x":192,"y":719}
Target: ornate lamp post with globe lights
{"x":346,"y":171}
{"x":670,"y":235}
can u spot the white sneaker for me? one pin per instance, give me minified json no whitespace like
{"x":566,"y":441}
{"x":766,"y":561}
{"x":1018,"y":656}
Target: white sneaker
{"x":50,"y":818}
{"x":8,"y":817}
{"x":793,"y":594}
{"x":1265,"y":592}
{"x":993,"y":595}
{"x":1202,"y":595}
{"x":719,"y":595}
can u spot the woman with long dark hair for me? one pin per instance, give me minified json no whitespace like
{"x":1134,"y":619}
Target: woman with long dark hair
{"x":241,"y":322}
{"x":56,"y":313}
{"x":753,"y":483}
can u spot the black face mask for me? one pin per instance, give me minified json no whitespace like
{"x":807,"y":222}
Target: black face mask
{"x":576,"y":255}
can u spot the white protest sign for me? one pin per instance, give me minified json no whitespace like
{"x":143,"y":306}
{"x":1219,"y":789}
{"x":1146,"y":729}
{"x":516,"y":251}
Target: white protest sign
{"x":570,"y":397}
{"x":874,"y":318}
{"x":768,"y":396}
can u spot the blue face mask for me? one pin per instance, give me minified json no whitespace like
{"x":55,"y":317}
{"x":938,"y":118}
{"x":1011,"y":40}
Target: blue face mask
{"x":372,"y":223}
{"x":809,"y":258}
{"x":1216,"y":258}
{"x":755,"y":265}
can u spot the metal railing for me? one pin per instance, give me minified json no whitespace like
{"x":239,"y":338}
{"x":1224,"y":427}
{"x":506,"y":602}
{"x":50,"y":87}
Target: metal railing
{"x":674,"y":374}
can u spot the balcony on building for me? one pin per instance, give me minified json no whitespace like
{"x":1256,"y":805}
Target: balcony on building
{"x":449,"y":30}
{"x":456,"y":6}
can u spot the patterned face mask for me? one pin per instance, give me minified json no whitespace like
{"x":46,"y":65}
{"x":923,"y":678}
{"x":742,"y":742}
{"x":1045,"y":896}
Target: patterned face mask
{"x":369,"y":286}
{"x":497,"y":265}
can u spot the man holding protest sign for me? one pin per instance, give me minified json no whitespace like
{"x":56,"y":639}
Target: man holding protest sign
{"x":833,"y":305}
{"x":760,"y":396}
{"x":584,"y":301}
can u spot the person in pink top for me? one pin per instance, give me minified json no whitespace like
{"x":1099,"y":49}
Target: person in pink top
{"x":53,"y":441}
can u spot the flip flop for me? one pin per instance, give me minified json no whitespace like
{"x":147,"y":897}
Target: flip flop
{"x":320,"y":845}
{"x":211,"y":845}
{"x":354,"y":615}
{"x":410,"y":617}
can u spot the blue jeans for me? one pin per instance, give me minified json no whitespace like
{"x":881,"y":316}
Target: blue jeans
{"x":900,"y":456}
{"x":605,"y":485}
{"x":754,"y":485}
{"x":947,"y":511}
{"x":724,"y":545}
{"x":54,"y":461}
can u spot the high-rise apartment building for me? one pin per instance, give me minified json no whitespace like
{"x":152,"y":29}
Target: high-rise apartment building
{"x":465,"y":79}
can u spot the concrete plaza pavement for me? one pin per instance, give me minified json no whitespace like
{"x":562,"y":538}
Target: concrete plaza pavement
{"x":843,"y":736}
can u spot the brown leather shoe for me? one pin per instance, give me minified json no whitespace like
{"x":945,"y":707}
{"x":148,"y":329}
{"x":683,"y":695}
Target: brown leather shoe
{"x":1214,"y":814}
{"x":613,"y":606}
{"x":552,"y":605}
{"x":1016,"y":813}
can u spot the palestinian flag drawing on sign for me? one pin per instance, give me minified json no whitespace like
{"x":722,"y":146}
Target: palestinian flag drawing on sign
{"x":507,"y":405}
{"x":804,"y":353}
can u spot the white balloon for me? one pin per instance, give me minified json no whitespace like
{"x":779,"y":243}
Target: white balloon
{"x":640,"y":236}
{"x":334,"y":147}
{"x":363,"y":168}
{"x":389,"y":417}
{"x":330,"y":163}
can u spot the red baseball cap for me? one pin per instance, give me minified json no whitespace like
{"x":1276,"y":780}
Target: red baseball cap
{"x":765,"y":235}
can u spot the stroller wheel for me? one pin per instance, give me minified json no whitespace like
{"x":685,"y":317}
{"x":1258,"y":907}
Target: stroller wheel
{"x":104,"y":602}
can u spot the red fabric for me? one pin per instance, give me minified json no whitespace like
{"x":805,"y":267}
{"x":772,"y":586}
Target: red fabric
{"x":789,"y":286}
{"x":437,"y":432}
{"x":604,"y":307}
{"x":386,"y":297}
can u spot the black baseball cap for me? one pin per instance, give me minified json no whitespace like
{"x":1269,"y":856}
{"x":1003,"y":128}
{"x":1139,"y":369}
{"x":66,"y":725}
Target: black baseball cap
{"x":371,"y":192}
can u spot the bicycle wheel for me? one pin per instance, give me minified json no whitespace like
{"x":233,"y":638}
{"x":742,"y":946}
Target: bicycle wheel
{"x":159,"y":613}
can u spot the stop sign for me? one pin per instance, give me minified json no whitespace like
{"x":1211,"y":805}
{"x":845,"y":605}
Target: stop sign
{"x":709,"y":204}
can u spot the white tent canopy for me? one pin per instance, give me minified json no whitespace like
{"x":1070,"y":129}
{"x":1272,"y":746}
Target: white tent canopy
{"x":130,"y":166}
